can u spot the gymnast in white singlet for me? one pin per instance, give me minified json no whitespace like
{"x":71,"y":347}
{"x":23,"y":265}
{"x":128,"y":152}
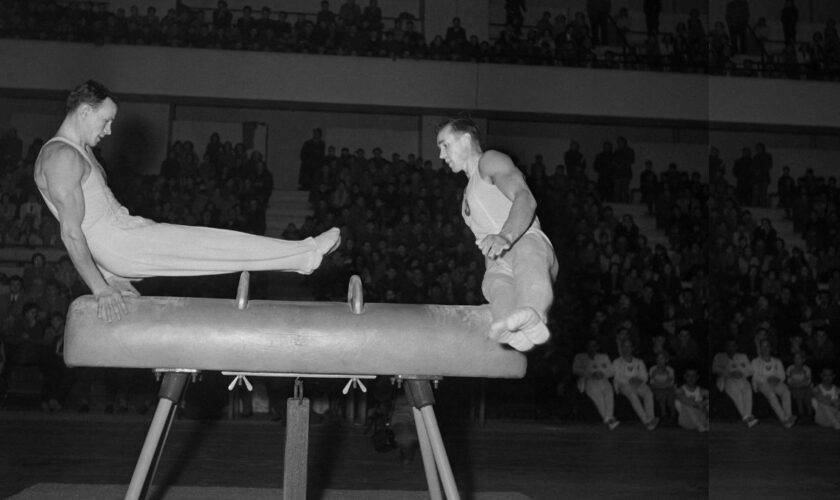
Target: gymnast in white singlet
{"x":109,"y":247}
{"x":500,"y":210}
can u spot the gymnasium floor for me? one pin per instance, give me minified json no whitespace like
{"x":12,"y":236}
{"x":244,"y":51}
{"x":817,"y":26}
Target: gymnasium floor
{"x":511,"y":459}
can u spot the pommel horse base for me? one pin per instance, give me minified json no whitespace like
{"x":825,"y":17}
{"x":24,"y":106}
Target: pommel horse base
{"x":182,"y":336}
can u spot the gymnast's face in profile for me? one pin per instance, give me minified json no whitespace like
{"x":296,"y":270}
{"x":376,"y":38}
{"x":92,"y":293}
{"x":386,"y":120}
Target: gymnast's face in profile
{"x":454,"y":148}
{"x":98,"y":119}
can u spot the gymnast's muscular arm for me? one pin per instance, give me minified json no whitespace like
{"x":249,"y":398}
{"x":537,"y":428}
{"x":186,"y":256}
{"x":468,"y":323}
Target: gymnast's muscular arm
{"x":501,"y":172}
{"x":62,"y":172}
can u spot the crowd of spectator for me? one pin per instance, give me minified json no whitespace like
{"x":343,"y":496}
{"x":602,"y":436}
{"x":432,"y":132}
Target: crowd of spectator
{"x":723,"y":283}
{"x":775,"y":304}
{"x":351,"y":29}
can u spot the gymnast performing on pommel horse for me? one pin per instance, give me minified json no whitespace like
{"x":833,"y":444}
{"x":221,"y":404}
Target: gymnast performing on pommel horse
{"x":416,"y":344}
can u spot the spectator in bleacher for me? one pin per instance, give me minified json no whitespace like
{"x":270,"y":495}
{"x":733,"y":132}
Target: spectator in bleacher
{"x":760,"y":33}
{"x":8,"y":212}
{"x":604,"y":166}
{"x":574,"y":160}
{"x":25,"y":344}
{"x":826,"y":400}
{"x":742,"y":169}
{"x":662,"y":383}
{"x":630,"y":380}
{"x":623,"y":157}
{"x":11,"y":302}
{"x":762,"y":165}
{"x":738,"y":20}
{"x":222,"y":17}
{"x":733,"y":369}
{"x":768,"y":379}
{"x":455,"y":34}
{"x":372,"y":16}
{"x":789,"y":18}
{"x":598,"y":12}
{"x":821,"y":348}
{"x":799,"y":382}
{"x":648,"y":185}
{"x":652,"y":9}
{"x":594,"y":370}
{"x":311,"y":159}
{"x":623,"y":23}
{"x":785,"y":188}
{"x":37,"y":269}
{"x":11,"y":146}
{"x":692,"y":403}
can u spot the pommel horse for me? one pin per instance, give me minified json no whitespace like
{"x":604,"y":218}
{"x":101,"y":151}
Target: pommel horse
{"x":182,"y":336}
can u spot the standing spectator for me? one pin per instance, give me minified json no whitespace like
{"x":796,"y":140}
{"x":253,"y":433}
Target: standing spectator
{"x":738,"y":20}
{"x":311,"y":159}
{"x":599,"y":13}
{"x":790,"y":17}
{"x":692,"y":403}
{"x":762,"y":164}
{"x":222,"y":17}
{"x":372,"y":16}
{"x":594,"y":370}
{"x":826,"y":401}
{"x":624,"y":157}
{"x":455,"y":34}
{"x":648,"y":184}
{"x":513,"y":12}
{"x":732,"y":369}
{"x":743,"y":172}
{"x":715,"y":162}
{"x":350,"y":13}
{"x":652,"y":9}
{"x":604,"y":166}
{"x":574,"y":160}
{"x":768,"y":379}
{"x":11,"y":146}
{"x":785,"y":188}
{"x":630,"y":379}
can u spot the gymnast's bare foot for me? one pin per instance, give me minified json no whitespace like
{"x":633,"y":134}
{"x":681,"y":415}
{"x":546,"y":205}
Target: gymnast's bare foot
{"x":328,"y":241}
{"x":522,"y":329}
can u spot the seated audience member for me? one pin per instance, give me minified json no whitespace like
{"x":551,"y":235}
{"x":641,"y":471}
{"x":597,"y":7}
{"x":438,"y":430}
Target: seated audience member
{"x":692,"y":403}
{"x":662,"y":383}
{"x":733,"y":369}
{"x":630,"y":379}
{"x":25,"y":344}
{"x":594,"y":370}
{"x":826,"y":401}
{"x":821,"y":348}
{"x":799,"y":383}
{"x":768,"y":379}
{"x":36,"y":270}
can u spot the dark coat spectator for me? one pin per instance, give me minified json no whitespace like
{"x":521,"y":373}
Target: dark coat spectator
{"x":738,"y":20}
{"x":311,"y":159}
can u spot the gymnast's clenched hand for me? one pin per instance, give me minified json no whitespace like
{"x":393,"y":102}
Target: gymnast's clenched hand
{"x":111,"y":306}
{"x":494,"y":245}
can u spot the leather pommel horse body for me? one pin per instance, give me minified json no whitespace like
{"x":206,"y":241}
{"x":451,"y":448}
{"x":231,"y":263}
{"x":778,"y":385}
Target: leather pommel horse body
{"x":180,"y":336}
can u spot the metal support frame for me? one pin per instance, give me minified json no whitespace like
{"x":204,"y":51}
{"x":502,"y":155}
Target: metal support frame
{"x":170,"y":393}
